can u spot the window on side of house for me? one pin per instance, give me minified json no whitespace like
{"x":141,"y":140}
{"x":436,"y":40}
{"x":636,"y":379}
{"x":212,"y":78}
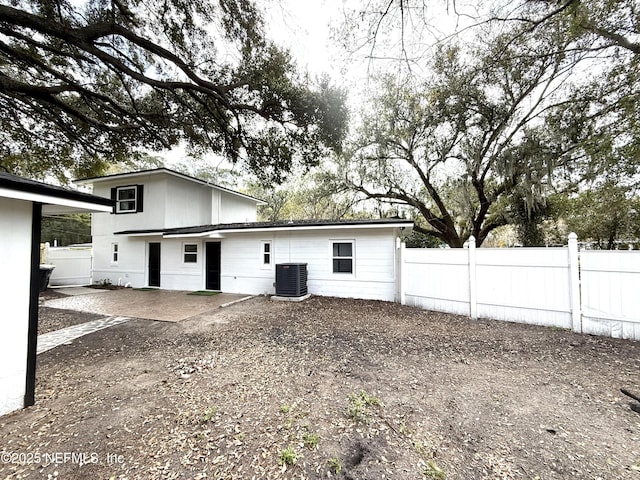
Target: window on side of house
{"x":114,"y":253}
{"x":127,"y":199}
{"x":190,"y":253}
{"x":266,"y":253}
{"x":343,"y":257}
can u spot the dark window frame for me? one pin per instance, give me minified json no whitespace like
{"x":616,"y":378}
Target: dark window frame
{"x":266,"y":253}
{"x":137,"y":199}
{"x":342,"y":258}
{"x":189,"y":256}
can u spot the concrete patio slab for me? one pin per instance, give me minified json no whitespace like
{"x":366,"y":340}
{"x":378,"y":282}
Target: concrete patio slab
{"x":165,"y":305}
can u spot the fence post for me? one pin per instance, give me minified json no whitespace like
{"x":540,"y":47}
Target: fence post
{"x":44,"y":252}
{"x":403,"y":275}
{"x":574,"y":281}
{"x":473,"y":302}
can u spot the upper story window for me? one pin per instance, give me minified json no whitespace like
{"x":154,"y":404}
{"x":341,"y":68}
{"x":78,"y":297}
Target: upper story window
{"x":128,"y":199}
{"x":343,"y":257}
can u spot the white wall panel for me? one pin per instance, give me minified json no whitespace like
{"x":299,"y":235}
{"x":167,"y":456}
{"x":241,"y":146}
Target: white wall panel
{"x":15,"y":262}
{"x":73,"y":265}
{"x":374,"y":273}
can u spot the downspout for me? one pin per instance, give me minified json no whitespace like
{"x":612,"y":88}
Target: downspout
{"x":34,"y":292}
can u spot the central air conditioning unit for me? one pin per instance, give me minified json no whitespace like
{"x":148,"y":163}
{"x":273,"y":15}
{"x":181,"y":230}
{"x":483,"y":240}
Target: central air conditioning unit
{"x":291,"y":279}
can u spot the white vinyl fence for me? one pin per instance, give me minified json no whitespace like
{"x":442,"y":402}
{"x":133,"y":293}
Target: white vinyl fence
{"x":592,"y":292}
{"x":610,"y":293}
{"x":72,"y":265}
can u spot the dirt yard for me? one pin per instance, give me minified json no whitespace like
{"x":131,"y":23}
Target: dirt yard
{"x":329,"y":388}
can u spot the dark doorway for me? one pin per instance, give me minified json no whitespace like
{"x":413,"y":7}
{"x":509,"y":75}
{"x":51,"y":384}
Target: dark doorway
{"x":212,"y":281}
{"x":154,"y":264}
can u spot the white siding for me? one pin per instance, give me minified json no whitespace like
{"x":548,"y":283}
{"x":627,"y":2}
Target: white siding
{"x":168,"y":202}
{"x":242,"y":270}
{"x":171,"y":202}
{"x":15,"y":261}
{"x":174,"y":273}
{"x":132,"y":259}
{"x":186,"y":203}
{"x":374,"y":275}
{"x":152,"y":216}
{"x":236,"y":209}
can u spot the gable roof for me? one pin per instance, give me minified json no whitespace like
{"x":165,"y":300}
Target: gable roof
{"x":56,"y":200}
{"x":167,"y":171}
{"x":205,"y":230}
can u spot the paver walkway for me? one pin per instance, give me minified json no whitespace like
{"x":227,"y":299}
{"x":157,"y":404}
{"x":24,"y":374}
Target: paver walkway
{"x":50,"y":340}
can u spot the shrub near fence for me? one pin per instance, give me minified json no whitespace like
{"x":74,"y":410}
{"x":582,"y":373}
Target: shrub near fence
{"x":540,"y":286}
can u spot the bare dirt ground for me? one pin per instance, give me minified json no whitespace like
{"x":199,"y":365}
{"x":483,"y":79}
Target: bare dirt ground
{"x":239,"y":392}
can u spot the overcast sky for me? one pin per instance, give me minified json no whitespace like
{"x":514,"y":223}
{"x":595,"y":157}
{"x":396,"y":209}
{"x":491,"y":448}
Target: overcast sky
{"x":303,"y":27}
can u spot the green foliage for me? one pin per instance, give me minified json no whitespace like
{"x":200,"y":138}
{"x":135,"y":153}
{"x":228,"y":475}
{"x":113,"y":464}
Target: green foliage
{"x":593,"y":24}
{"x":528,"y":221}
{"x":288,"y":456}
{"x":607,"y":215}
{"x":312,"y":196}
{"x":335,"y":465}
{"x":359,"y":403}
{"x":155,"y":74}
{"x":209,"y":414}
{"x":67,"y":229}
{"x":284,"y":408}
{"x":419,"y":240}
{"x":310,"y":440}
{"x":433,"y":472}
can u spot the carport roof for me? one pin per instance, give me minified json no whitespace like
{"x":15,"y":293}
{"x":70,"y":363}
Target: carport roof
{"x":205,"y":230}
{"x":55,"y":200}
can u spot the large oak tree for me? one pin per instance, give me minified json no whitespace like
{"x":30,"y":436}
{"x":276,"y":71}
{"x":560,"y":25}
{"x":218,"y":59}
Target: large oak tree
{"x":490,"y":128}
{"x":540,"y":97}
{"x":84,"y":85}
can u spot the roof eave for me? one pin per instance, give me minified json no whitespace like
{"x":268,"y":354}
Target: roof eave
{"x":58,"y":205}
{"x":219,"y":232}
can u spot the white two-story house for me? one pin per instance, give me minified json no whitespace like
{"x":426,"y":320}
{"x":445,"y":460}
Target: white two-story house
{"x":173,"y":231}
